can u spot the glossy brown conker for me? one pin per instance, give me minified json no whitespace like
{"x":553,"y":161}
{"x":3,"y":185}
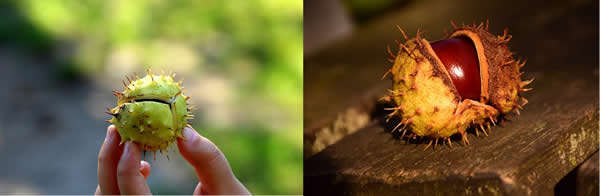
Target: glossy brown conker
{"x":460,"y":59}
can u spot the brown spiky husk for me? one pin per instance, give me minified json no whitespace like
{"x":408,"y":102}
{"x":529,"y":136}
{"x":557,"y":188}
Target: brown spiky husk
{"x":504,"y":75}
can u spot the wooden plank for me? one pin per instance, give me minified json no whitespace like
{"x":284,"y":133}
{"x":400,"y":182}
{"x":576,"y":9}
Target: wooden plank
{"x":528,"y":154}
{"x":583,"y":180}
{"x":587,"y":177}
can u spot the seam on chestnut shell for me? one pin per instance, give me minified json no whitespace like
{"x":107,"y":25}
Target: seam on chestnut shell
{"x":427,"y":100}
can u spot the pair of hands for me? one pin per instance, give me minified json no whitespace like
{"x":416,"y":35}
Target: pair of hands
{"x":120,"y":170}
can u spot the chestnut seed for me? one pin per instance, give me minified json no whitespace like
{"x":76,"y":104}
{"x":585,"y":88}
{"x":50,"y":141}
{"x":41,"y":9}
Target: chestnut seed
{"x":460,"y":59}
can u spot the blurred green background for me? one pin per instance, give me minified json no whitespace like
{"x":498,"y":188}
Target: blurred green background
{"x":241,"y":62}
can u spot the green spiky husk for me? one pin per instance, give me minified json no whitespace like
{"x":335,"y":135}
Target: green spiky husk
{"x":152,"y":111}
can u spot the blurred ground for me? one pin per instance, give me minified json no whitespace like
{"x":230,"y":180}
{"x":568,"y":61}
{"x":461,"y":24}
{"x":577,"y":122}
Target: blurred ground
{"x":59,"y":60}
{"x":48,"y":138}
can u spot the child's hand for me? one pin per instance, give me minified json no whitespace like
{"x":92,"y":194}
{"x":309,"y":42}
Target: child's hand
{"x":120,"y":170}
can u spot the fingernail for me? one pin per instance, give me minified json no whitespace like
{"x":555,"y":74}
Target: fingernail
{"x":188,"y":133}
{"x":126,"y":148}
{"x":109,"y":135}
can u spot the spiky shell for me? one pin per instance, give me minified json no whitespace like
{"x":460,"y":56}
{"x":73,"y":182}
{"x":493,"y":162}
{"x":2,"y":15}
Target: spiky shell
{"x":151,"y":111}
{"x":426,"y":99}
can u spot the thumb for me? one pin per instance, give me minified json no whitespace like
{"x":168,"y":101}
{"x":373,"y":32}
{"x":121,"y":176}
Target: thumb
{"x":209,"y":162}
{"x":130,"y":180}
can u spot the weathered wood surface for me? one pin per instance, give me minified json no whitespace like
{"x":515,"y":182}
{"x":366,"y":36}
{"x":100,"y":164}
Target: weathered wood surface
{"x":527,"y":155}
{"x":587,"y":177}
{"x":581,"y":181}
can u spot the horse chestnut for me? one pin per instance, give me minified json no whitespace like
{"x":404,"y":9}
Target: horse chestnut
{"x":441,"y":89}
{"x":152,"y":111}
{"x":460,"y":59}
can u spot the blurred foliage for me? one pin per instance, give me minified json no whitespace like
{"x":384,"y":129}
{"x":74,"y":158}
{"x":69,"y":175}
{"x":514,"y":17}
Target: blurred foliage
{"x":256,"y":45}
{"x":267,"y":163}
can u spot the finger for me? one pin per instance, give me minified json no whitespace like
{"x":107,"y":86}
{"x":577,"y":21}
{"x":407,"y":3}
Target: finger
{"x":108,"y":159}
{"x":130,"y":179}
{"x":198,"y":190}
{"x":98,"y":192}
{"x":145,"y":169}
{"x":210,"y":164}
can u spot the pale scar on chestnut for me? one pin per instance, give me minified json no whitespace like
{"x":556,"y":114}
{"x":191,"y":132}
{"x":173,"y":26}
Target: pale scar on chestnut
{"x":468,"y":79}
